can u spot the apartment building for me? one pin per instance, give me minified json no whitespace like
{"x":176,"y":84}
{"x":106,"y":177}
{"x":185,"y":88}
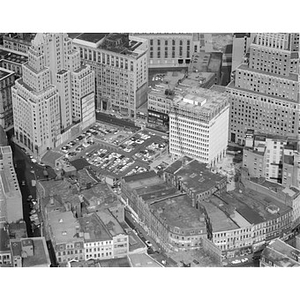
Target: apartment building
{"x":264,"y":93}
{"x":199,"y":125}
{"x":7,"y":80}
{"x":55,"y":93}
{"x":121,"y":69}
{"x":10,"y":194}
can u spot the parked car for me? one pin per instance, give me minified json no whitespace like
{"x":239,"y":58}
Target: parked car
{"x":237,"y":261}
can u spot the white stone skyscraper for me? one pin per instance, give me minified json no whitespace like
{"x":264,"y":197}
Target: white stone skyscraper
{"x":53,"y":94}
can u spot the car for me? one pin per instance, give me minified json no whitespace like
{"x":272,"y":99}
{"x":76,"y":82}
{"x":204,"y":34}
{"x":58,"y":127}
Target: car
{"x":148,"y":243}
{"x":245,"y":259}
{"x":237,"y":261}
{"x":34,"y":160}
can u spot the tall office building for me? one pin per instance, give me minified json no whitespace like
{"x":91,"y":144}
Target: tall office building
{"x":199,"y":124}
{"x":7,"y":80}
{"x":240,"y":47}
{"x":121,"y":69}
{"x":55,"y":92}
{"x":264,"y":94}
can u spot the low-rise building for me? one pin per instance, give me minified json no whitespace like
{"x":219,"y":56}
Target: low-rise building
{"x":120,"y":238}
{"x":165,"y":213}
{"x":280,"y":254}
{"x":98,"y":242}
{"x":30,"y":252}
{"x":194,"y":178}
{"x":63,"y":231}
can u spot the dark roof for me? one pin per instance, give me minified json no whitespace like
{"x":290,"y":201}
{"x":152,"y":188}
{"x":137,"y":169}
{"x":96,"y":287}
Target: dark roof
{"x":116,"y":262}
{"x":139,"y":176}
{"x":288,"y":159}
{"x":91,"y":37}
{"x":250,"y":215}
{"x":80,"y":163}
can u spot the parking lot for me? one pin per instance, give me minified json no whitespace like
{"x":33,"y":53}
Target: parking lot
{"x":117,"y":151}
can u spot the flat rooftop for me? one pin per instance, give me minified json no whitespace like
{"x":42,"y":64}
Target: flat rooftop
{"x":110,"y":222}
{"x":218,"y":219}
{"x":120,"y":43}
{"x":63,"y":225}
{"x":196,"y":176}
{"x":178,"y":212}
{"x":115,"y":263}
{"x":205,"y":102}
{"x":253,"y":206}
{"x":93,"y":228}
{"x":92,"y":37}
{"x":40,"y":252}
{"x":281,"y":253}
{"x":206,"y":62}
{"x":142,"y":260}
{"x":100,"y":196}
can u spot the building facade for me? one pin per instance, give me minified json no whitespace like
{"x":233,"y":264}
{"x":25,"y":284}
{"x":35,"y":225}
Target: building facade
{"x":264,"y":93}
{"x":7,"y":80}
{"x":175,"y":49}
{"x":12,"y":61}
{"x":121,"y":70}
{"x":50,"y":98}
{"x":10,"y":195}
{"x":240,"y":47}
{"x":20,"y":42}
